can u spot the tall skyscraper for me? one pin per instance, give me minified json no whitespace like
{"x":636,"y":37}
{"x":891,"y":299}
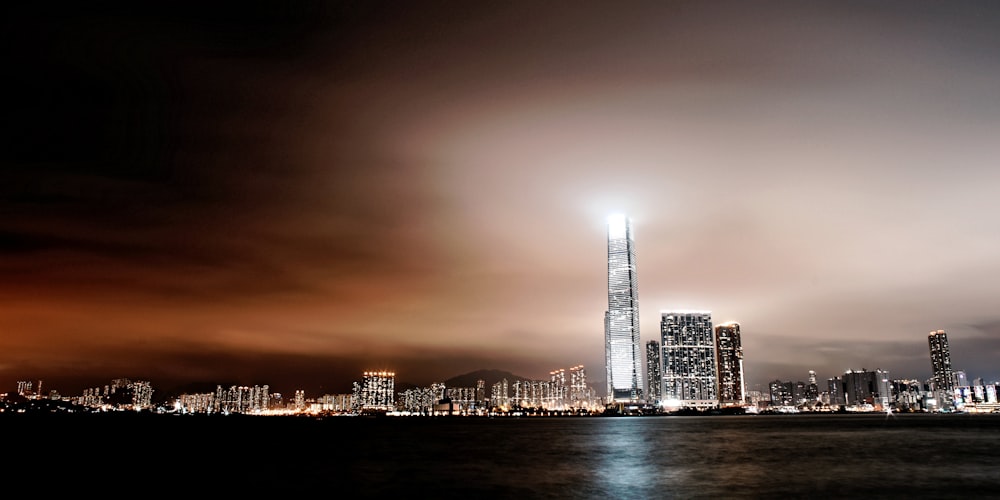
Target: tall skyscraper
{"x":944,"y":378}
{"x":689,"y":369}
{"x":653,"y":378}
{"x":623,"y":352}
{"x":729,"y":350}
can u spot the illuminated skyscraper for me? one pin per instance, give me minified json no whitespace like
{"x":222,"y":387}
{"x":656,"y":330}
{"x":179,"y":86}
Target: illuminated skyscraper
{"x":944,"y":378}
{"x":623,"y":352}
{"x":653,"y":378}
{"x":689,"y":369}
{"x":729,"y":348}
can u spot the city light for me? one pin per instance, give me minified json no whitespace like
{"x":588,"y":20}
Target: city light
{"x":616,"y":226}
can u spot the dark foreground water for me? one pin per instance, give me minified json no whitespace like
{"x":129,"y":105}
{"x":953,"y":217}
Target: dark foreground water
{"x":786,"y":456}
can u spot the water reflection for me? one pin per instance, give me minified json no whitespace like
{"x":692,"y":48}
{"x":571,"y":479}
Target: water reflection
{"x":797,"y":457}
{"x":923,"y":456}
{"x":662,"y":457}
{"x":627,"y":457}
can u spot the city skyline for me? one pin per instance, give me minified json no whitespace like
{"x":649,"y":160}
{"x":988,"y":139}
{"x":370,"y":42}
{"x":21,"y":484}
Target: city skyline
{"x":295,"y":195}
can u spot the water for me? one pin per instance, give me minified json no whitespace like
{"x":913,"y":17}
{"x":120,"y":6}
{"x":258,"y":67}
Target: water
{"x":754,"y":456}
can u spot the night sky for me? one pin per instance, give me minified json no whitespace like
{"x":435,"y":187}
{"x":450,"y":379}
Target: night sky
{"x":292,"y":195}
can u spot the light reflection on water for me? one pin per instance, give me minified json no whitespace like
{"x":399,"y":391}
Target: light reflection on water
{"x":864,"y":456}
{"x":625,"y":457}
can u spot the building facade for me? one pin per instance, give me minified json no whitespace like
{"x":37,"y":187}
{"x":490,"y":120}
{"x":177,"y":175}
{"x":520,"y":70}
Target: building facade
{"x":623,"y":352}
{"x":729,"y":351}
{"x":688,"y":356}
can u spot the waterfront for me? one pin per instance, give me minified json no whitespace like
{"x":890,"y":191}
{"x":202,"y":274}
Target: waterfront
{"x":753,"y":456}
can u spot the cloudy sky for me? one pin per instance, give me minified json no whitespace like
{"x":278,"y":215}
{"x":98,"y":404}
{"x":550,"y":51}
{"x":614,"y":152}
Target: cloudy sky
{"x":294,"y":195}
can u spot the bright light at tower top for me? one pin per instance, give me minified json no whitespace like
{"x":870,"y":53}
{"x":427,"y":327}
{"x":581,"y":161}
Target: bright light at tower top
{"x":617,"y":224}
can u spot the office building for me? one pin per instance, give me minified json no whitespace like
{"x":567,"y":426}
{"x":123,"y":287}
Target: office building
{"x":688,"y":356}
{"x":623,"y":352}
{"x":729,"y":351}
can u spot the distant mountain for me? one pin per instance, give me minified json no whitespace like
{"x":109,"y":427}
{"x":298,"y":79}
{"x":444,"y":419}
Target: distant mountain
{"x":171,"y":392}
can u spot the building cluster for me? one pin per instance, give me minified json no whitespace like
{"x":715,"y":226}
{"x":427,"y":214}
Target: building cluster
{"x":120,"y":394}
{"x":863,"y":390}
{"x":566,"y":390}
{"x":236,"y":399}
{"x":695,"y":366}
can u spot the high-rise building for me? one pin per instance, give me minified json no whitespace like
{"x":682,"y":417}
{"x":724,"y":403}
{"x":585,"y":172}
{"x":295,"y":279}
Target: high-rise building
{"x":812,"y":390}
{"x":944,"y":378}
{"x":782,"y":393}
{"x":623,"y":353}
{"x":862,"y":387}
{"x":688,"y":354}
{"x":960,"y":378}
{"x":579,"y":392}
{"x":729,"y":351}
{"x":376,"y":391}
{"x":835,"y":390}
{"x":653,"y":379}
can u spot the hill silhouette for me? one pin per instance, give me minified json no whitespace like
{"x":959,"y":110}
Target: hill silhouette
{"x":490,"y":377}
